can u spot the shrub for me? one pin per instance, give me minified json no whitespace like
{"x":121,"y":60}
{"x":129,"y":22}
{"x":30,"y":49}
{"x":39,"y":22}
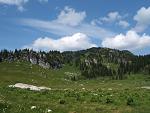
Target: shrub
{"x":3,"y":107}
{"x":44,"y":92}
{"x":62,"y":101}
{"x":94,"y":99}
{"x":109,"y":100}
{"x":130,"y":101}
{"x":78,"y":97}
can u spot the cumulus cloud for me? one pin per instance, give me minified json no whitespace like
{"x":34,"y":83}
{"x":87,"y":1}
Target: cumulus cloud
{"x":96,"y":21}
{"x":143,"y":19}
{"x":69,"y":16}
{"x":77,"y":41}
{"x":130,"y":41}
{"x":112,"y":17}
{"x":18,"y":3}
{"x":123,"y":24}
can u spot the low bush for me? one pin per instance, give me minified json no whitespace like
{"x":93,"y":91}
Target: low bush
{"x":130,"y":101}
{"x":62,"y":101}
{"x":109,"y":100}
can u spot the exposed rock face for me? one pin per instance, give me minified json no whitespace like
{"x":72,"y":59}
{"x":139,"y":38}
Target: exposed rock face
{"x":44,"y":64}
{"x":95,"y":61}
{"x":40,"y":62}
{"x":33,"y":60}
{"x":87,"y":62}
{"x":10,"y":58}
{"x":26,"y":58}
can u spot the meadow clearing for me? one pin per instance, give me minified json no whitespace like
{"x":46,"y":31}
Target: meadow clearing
{"x":101,"y":95}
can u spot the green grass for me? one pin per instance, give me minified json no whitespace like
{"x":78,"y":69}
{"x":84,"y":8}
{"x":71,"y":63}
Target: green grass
{"x":99,"y":96}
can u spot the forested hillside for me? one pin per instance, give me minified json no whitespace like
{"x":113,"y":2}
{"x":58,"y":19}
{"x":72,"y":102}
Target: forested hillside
{"x":92,"y":63}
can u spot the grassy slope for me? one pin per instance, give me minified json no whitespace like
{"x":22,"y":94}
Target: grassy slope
{"x":96,"y":98}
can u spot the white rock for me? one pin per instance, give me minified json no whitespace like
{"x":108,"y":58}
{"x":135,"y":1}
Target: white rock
{"x":46,"y":88}
{"x":110,"y":89}
{"x":83,"y":88}
{"x":49,"y":110}
{"x":146,"y":87}
{"x":33,"y":107}
{"x":95,"y":94}
{"x":81,"y":84}
{"x":30,"y":87}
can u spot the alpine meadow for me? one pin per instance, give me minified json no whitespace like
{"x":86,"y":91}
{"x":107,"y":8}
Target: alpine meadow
{"x":74,"y":56}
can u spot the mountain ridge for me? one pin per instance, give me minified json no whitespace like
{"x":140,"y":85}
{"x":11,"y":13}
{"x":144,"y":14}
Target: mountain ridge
{"x":93,"y":62}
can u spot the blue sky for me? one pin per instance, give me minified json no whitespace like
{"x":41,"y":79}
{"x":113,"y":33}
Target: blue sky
{"x":75,"y":24}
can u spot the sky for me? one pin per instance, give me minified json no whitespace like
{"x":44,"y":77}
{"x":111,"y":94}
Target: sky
{"x":66,"y":25}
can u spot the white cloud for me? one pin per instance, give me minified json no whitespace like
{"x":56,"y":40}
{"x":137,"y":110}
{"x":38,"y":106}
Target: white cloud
{"x":18,"y":3}
{"x":113,"y":18}
{"x":77,"y":41}
{"x":143,"y":19}
{"x":123,"y":24}
{"x":43,"y":1}
{"x":13,"y":2}
{"x":130,"y":41}
{"x":61,"y":29}
{"x":69,"y":16}
{"x":68,"y":22}
{"x":96,"y":22}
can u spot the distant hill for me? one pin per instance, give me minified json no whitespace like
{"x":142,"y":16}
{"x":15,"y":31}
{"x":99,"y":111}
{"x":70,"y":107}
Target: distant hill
{"x":92,"y":63}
